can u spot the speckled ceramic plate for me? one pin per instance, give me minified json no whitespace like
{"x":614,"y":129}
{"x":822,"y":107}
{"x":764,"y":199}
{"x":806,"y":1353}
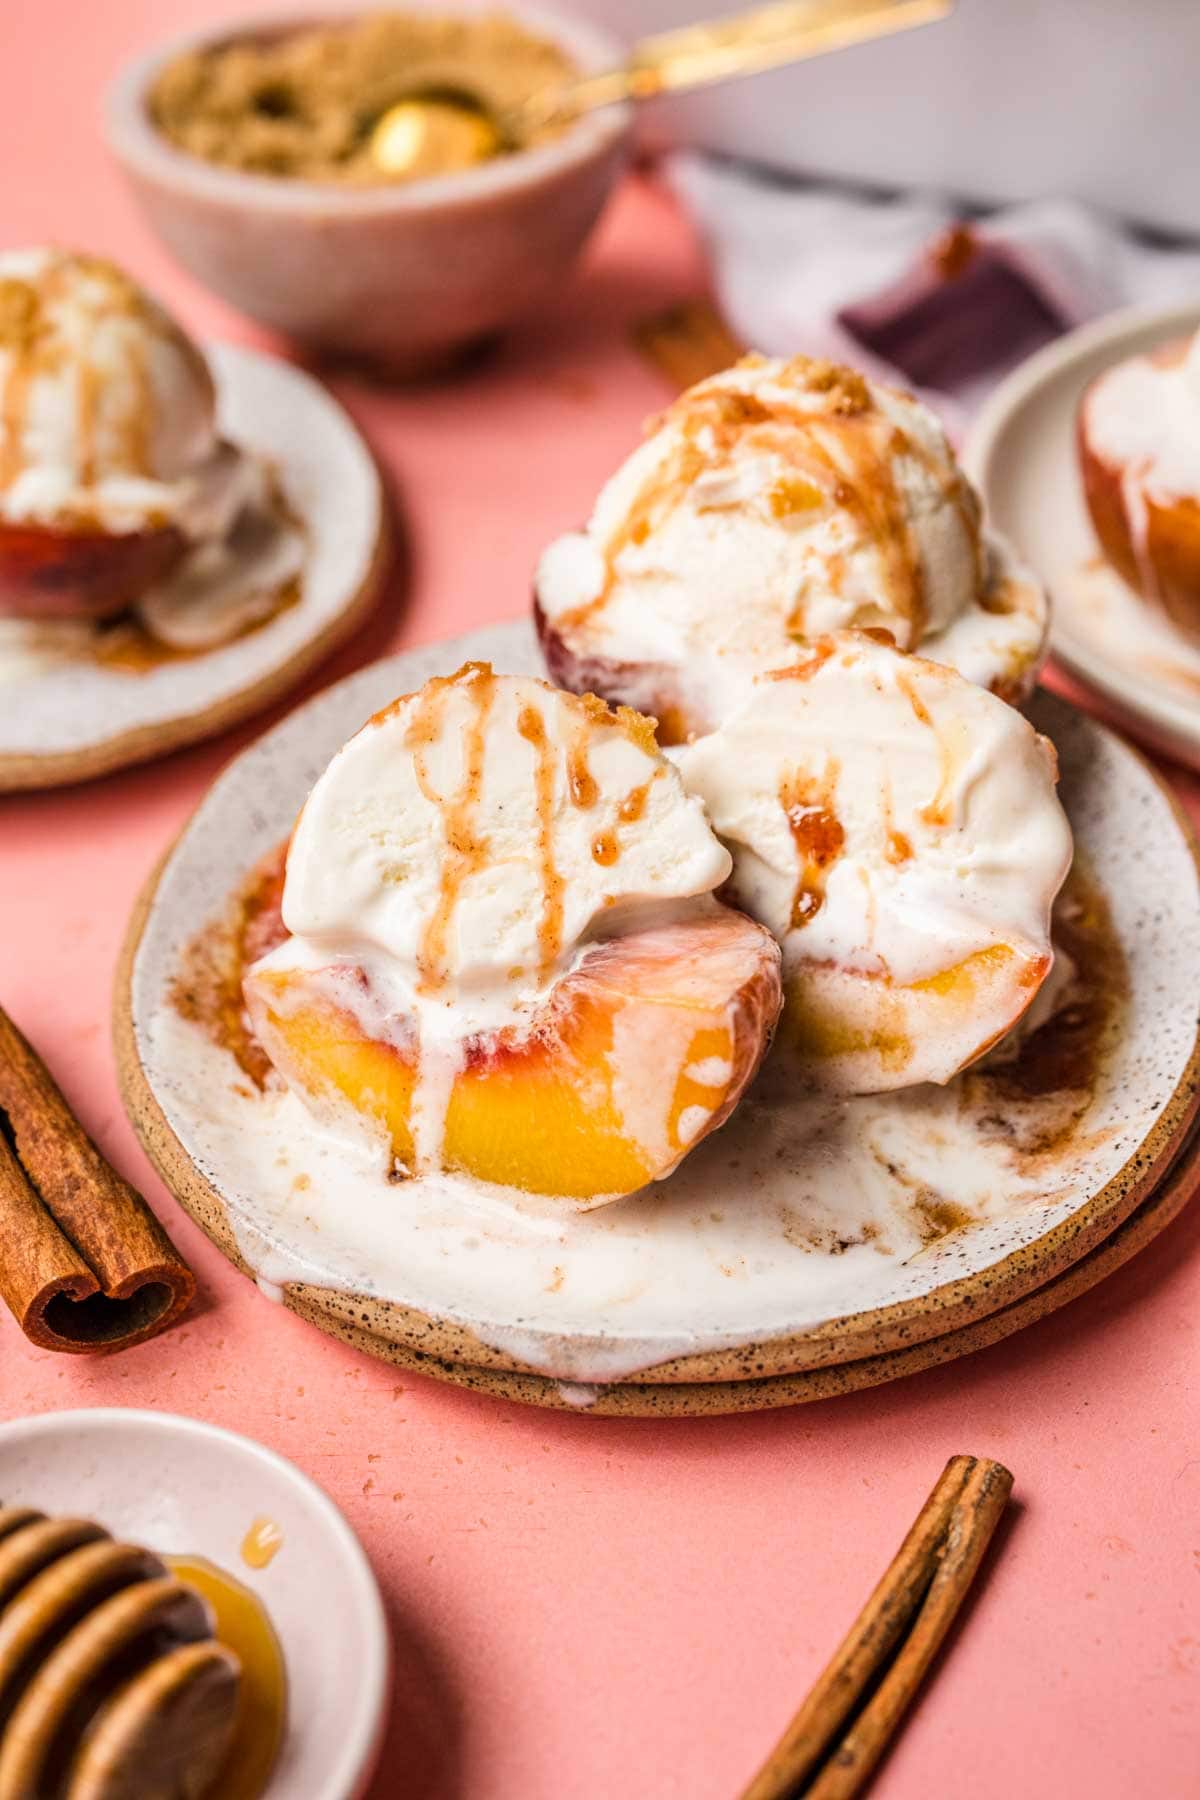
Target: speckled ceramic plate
{"x":799,"y":1237}
{"x":648,"y":1398}
{"x":73,"y":718}
{"x":1021,"y":452}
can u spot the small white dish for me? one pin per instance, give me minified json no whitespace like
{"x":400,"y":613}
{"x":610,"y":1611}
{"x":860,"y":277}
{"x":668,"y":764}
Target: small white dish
{"x":1021,"y":454}
{"x":70,"y":718}
{"x":186,"y":1488}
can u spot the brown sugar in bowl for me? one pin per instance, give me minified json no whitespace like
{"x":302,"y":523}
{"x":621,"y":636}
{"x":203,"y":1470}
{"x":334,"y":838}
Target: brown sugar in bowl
{"x":405,"y":276}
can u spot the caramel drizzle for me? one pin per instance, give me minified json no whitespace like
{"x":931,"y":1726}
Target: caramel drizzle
{"x":464,"y":850}
{"x":137,"y":419}
{"x":817,"y":834}
{"x":86,"y":397}
{"x":843,"y":456}
{"x":606,"y":846}
{"x":939,"y":810}
{"x":532,"y":728}
{"x":581,"y":783}
{"x":35,"y":348}
{"x":897,"y":845}
{"x":24,"y":308}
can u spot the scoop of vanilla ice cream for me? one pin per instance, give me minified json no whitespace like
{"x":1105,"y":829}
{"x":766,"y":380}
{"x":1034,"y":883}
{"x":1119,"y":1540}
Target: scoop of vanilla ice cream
{"x":107,"y":410}
{"x":885,"y":815}
{"x":1144,"y":415}
{"x":771,"y":504}
{"x":472,"y":835}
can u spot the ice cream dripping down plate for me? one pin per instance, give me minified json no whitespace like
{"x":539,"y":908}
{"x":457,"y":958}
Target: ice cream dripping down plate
{"x":76,"y":702}
{"x":804,"y":1234}
{"x":1022,"y":454}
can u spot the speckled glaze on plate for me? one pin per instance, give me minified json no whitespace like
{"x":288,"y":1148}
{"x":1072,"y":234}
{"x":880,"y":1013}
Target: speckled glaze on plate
{"x":805,"y":1285}
{"x":1021,"y":454}
{"x":651,"y":1399}
{"x":78,"y":719}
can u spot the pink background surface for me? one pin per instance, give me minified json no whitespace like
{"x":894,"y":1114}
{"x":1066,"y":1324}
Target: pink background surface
{"x":584,"y":1608}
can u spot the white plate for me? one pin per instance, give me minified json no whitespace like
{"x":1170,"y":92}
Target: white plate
{"x":788,"y":1230}
{"x":81,"y":718}
{"x":1021,"y":453}
{"x":184,"y":1488}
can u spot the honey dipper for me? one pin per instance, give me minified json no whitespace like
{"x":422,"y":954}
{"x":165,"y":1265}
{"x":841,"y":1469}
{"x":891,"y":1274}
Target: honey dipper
{"x":112,"y":1686}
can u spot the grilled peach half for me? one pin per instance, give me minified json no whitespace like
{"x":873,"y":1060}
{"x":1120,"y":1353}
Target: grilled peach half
{"x":634,"y":1057}
{"x":47,"y":572}
{"x":1152,"y":539}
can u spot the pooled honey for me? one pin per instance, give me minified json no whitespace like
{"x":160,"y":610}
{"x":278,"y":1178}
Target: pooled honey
{"x":243,"y":1626}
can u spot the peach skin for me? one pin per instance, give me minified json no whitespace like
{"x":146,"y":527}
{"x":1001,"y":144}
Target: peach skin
{"x":52,"y":573}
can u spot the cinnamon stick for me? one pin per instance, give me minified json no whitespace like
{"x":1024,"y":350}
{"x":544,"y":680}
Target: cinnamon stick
{"x":84,"y":1264}
{"x":687,"y":343}
{"x":834,"y":1742}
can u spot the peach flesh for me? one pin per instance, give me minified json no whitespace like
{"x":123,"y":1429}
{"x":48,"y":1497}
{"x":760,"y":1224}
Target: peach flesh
{"x":635,"y":1056}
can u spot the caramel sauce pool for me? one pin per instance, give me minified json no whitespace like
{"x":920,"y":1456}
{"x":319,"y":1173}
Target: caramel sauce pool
{"x":243,"y":1626}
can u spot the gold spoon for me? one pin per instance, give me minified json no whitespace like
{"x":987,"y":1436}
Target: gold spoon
{"x":435,"y":131}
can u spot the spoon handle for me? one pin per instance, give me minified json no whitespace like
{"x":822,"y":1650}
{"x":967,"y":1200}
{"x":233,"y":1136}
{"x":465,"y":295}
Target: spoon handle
{"x":742,"y":44}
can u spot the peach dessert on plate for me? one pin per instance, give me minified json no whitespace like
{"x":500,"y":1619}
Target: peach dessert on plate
{"x":118,"y":494}
{"x":499,"y":950}
{"x":770,"y":505}
{"x":1138,"y":437}
{"x":183,"y":533}
{"x":897,"y":829}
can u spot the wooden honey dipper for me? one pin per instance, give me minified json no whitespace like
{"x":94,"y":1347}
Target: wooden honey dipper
{"x":112,"y":1685}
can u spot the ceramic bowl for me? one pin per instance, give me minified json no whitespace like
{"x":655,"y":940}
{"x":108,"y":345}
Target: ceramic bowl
{"x":186,"y":1488}
{"x":406,"y":277}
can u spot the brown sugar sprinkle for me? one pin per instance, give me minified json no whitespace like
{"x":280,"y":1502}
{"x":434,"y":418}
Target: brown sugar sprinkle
{"x":817,"y":834}
{"x":302,"y":103}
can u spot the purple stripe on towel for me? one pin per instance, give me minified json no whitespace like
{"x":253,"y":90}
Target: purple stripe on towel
{"x":965,"y":309}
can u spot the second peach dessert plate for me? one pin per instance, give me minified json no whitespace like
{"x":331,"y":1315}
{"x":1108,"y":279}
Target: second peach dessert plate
{"x":1023,"y":453}
{"x":811,"y":1229}
{"x":81,"y":696}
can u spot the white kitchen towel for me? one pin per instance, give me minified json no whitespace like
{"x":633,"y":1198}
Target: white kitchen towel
{"x":909,"y":287}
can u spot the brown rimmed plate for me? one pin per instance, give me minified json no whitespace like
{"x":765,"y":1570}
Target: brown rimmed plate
{"x":793,"y":1244}
{"x":67,"y":716}
{"x":1021,"y":452}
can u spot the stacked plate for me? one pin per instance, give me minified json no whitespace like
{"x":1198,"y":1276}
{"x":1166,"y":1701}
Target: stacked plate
{"x":912,"y":1227}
